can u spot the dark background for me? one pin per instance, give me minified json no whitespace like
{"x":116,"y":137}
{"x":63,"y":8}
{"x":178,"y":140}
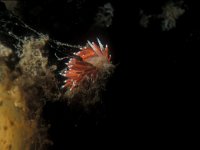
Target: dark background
{"x":151,"y":98}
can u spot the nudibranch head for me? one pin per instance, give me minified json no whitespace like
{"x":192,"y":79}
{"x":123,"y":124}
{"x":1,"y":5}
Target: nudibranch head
{"x":88,"y":66}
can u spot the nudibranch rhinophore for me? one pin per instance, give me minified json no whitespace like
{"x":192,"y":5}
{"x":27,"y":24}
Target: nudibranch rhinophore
{"x":88,"y":68}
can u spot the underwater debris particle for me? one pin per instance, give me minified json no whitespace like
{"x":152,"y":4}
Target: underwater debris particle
{"x":167,"y":19}
{"x":171,"y":12}
{"x":105,"y":15}
{"x":145,"y":19}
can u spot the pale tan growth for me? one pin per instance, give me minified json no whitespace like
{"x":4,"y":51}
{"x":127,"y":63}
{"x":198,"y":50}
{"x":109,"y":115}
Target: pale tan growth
{"x":36,"y":76}
{"x":5,"y":52}
{"x":32,"y":63}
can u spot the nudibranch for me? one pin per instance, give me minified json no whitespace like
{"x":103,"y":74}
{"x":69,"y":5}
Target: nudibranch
{"x":88,"y":66}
